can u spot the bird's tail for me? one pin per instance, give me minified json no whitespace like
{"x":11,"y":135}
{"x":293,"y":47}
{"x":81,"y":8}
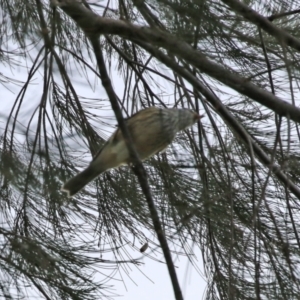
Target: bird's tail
{"x":75,"y":184}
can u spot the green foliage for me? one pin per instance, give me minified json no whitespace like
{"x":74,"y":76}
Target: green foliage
{"x":213,"y":188}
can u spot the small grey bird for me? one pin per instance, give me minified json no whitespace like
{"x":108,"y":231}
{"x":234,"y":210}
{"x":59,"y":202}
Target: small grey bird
{"x":151,"y":130}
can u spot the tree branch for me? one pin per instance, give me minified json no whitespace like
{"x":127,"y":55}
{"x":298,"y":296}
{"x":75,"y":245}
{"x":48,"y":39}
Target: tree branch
{"x":138,"y":166}
{"x":91,"y":23}
{"x":264,"y":23}
{"x":227,"y":117}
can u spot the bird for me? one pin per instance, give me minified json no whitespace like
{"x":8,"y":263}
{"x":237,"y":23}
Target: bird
{"x":151,"y":130}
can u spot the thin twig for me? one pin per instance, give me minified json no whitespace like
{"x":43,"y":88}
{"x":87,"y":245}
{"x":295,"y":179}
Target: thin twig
{"x":138,"y":166}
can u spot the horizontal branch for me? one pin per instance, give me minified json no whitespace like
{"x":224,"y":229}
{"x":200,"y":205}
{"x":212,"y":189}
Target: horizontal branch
{"x":227,"y":116}
{"x":93,"y":24}
{"x":263,"y":22}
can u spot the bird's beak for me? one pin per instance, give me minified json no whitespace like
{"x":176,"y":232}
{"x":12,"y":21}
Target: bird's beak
{"x":198,"y":117}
